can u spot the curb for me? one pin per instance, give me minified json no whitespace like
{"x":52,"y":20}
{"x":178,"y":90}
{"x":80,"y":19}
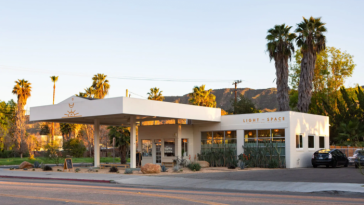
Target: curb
{"x":62,"y":179}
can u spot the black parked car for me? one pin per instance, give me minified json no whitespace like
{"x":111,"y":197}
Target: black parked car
{"x":329,"y":157}
{"x":359,"y":159}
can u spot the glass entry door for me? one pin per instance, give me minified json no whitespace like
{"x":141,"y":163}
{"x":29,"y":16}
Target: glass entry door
{"x":158,"y":153}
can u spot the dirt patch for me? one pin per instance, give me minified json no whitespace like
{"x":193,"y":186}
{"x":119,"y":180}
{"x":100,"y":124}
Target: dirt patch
{"x":170,"y":171}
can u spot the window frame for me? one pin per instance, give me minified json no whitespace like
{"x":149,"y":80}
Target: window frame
{"x":300,"y":140}
{"x":151,"y":141}
{"x":164,"y":147}
{"x":308,"y":141}
{"x":223,"y":140}
{"x":320,"y":142}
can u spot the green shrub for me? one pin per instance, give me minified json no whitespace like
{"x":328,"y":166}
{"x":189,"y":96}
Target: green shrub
{"x":74,"y":147}
{"x":219,"y":157}
{"x":77,"y":169}
{"x":163,"y":168}
{"x":128,"y":171}
{"x":52,"y":153}
{"x":194,"y":166}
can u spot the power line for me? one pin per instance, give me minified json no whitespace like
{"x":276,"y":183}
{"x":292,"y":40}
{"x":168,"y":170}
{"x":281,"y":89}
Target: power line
{"x":121,"y":78}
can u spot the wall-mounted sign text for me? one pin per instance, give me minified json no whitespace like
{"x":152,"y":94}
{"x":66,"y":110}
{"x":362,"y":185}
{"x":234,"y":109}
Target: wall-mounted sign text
{"x":264,"y":120}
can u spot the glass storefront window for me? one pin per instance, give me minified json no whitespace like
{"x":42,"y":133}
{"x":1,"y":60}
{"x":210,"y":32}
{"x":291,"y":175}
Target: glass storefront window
{"x":184,"y":149}
{"x":218,"y":140}
{"x":263,"y":133}
{"x":278,"y":133}
{"x":169,"y":147}
{"x":250,"y":135}
{"x":206,"y":136}
{"x":147,"y":148}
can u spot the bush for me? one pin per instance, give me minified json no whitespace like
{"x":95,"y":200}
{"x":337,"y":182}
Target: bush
{"x":77,"y":169}
{"x":113,"y":169}
{"x":74,"y":147}
{"x":231,"y":167}
{"x":194,"y":166}
{"x":6,"y":154}
{"x":36,"y":164}
{"x":163,"y":168}
{"x":128,"y":171}
{"x":52,"y":153}
{"x":47,"y":168}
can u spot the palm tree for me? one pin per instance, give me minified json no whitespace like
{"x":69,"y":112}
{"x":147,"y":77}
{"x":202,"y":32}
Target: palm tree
{"x":54,"y":80}
{"x":280,"y":48}
{"x":122,"y":140}
{"x":312,"y":41}
{"x":101,"y":85}
{"x":81,"y":94}
{"x":23,"y":90}
{"x":202,"y":97}
{"x":155,"y":94}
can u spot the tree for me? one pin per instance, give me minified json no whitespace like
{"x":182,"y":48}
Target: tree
{"x":7,"y":122}
{"x":243,"y":105}
{"x":312,"y":41}
{"x":346,"y":117}
{"x":122,"y":140}
{"x":88,"y":135}
{"x":54,"y":80}
{"x":101,"y":85}
{"x":22,"y":90}
{"x":66,"y":129}
{"x":155,"y":94}
{"x":280,"y":48}
{"x":332,"y":68}
{"x":74,"y":147}
{"x":202,"y":97}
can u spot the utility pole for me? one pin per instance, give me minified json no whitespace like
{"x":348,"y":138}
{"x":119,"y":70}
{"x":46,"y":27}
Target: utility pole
{"x":236,"y":82}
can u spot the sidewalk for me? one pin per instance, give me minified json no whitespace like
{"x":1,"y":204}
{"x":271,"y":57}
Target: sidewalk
{"x":180,"y":182}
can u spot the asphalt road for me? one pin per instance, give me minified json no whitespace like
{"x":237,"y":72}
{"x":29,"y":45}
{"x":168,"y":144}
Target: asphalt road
{"x":13,"y":191}
{"x":320,"y":174}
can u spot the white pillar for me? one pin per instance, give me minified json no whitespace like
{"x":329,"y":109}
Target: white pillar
{"x":179,"y":143}
{"x":96,"y":143}
{"x":132,"y":142}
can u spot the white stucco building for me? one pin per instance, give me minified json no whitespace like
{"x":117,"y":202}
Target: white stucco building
{"x":192,"y":129}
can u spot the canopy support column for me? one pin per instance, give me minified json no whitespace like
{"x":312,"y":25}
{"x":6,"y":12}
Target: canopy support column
{"x":132,"y":142}
{"x":97,"y":143}
{"x":179,"y":142}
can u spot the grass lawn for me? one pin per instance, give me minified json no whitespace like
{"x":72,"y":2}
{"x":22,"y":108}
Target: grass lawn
{"x":18,"y":161}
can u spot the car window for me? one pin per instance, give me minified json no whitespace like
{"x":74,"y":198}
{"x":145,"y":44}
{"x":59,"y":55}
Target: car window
{"x":336,"y":153}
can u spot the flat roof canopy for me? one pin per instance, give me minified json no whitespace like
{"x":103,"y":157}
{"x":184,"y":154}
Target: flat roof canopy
{"x":117,"y":111}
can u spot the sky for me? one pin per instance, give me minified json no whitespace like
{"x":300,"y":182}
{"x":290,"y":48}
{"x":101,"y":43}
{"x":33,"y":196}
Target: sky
{"x":207,"y":42}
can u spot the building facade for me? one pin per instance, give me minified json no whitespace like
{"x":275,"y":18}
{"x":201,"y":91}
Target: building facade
{"x":298,"y":136}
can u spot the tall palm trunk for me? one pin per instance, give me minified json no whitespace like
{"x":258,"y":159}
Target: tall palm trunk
{"x":306,"y":78}
{"x":282,"y":84}
{"x":54,"y":91}
{"x":123,"y":151}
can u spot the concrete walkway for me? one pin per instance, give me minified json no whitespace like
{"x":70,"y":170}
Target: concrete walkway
{"x":188,"y":183}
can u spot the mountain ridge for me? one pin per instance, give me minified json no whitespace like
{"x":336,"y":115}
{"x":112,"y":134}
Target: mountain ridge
{"x":264,"y":99}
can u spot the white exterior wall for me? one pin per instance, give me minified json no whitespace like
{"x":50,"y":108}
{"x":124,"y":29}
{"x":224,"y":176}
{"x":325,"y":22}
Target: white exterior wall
{"x":277,"y":120}
{"x":162,"y":132}
{"x":293,"y":123}
{"x":305,"y":124}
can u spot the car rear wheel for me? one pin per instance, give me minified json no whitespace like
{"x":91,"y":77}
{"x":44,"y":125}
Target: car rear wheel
{"x":346,"y":164}
{"x":314,"y":165}
{"x":356,"y":166}
{"x":334,"y":164}
{"x":327,"y":166}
